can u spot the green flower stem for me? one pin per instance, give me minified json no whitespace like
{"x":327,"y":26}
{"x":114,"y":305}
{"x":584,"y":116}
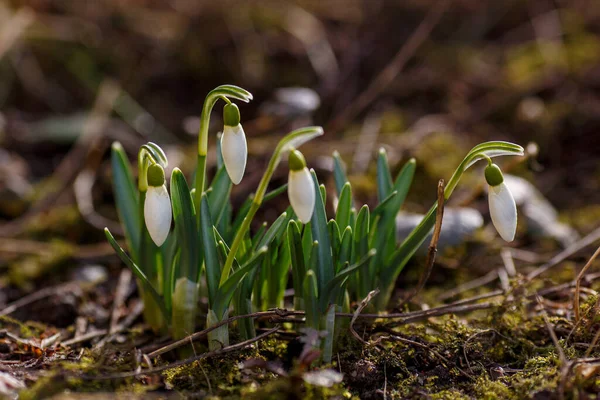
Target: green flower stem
{"x":291,"y":140}
{"x":221,"y":92}
{"x":418,"y":235}
{"x":256,"y":202}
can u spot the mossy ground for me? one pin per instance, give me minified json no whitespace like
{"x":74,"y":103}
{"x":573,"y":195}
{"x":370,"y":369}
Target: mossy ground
{"x":504,"y":352}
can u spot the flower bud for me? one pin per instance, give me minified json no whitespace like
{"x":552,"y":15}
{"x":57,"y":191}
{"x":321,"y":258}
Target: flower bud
{"x":301,"y":190}
{"x":503,"y":209}
{"x":157,"y":206}
{"x":233,"y":144}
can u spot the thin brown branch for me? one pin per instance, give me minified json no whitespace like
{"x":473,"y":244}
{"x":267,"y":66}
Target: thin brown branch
{"x":432,"y":251}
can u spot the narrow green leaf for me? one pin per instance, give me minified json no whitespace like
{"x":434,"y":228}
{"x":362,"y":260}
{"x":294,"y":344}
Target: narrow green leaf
{"x":336,"y":239}
{"x":126,"y":198}
{"x":311,"y":299}
{"x":332,"y":288}
{"x":381,"y":207}
{"x":307,"y":241}
{"x":342,"y":214}
{"x":169,"y":286}
{"x":137,"y":272}
{"x":296,"y":257}
{"x":339,"y":174}
{"x":323,"y":194}
{"x":345,"y":252}
{"x":245,"y":207}
{"x":226,"y":291}
{"x":402,"y":186}
{"x":211,"y":262}
{"x":384,"y":177}
{"x":275,"y":231}
{"x":260,"y":233}
{"x":185,"y":227}
{"x":361,"y":248}
{"x":218,"y":197}
{"x":319,"y":232}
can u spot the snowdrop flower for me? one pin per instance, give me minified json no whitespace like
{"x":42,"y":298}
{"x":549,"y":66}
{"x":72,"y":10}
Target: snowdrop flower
{"x":157,"y":206}
{"x":503,"y":209}
{"x":301,"y":190}
{"x":233,"y":144}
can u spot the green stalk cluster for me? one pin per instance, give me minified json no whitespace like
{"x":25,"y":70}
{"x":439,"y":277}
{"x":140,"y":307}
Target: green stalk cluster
{"x":212,"y":253}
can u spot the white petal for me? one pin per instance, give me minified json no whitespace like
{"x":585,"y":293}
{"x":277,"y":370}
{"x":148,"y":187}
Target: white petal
{"x":503,"y":211}
{"x":235,"y":152}
{"x":301,"y":193}
{"x":157,"y":213}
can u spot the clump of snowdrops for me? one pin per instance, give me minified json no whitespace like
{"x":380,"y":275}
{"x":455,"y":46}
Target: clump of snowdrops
{"x":212,"y":253}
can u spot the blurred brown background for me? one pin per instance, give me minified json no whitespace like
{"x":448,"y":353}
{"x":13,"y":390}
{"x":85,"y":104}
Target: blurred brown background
{"x":424,"y":78}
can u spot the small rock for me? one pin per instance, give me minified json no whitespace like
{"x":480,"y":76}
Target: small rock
{"x":91,"y":273}
{"x":458,"y":224}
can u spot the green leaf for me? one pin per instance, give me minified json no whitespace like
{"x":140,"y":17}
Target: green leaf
{"x":336,"y":239}
{"x":311,"y":296}
{"x":332,"y":288}
{"x":126,"y":198}
{"x":361,"y":232}
{"x":185,"y":227}
{"x":319,"y":233}
{"x":384,"y":177}
{"x":296,"y":256}
{"x":218,"y":197}
{"x":137,"y":272}
{"x":260,"y":233}
{"x":342,"y":214}
{"x":227,"y":289}
{"x":323,"y":194}
{"x":401,"y":186}
{"x":307,"y":241}
{"x":339,"y":175}
{"x":211,"y":262}
{"x":361,"y":248}
{"x":246,"y":205}
{"x":345,"y":252}
{"x":170,"y":282}
{"x":381,"y":207}
{"x":275,"y":231}
{"x":414,"y":240}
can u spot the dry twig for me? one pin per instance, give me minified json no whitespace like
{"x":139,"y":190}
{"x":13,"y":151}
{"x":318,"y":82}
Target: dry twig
{"x":431,"y":252}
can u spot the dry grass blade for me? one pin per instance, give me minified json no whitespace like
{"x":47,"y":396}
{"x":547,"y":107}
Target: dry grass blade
{"x":578,"y":282}
{"x":569,"y":251}
{"x":361,"y":307}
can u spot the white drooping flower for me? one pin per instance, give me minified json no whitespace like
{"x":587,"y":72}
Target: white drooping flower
{"x":301,"y":190}
{"x":503,"y":209}
{"x":157,"y":206}
{"x":233,"y":144}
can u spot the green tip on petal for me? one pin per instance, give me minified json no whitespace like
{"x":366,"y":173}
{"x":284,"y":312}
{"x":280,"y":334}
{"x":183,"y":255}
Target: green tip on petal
{"x":296,"y":161}
{"x":156,"y":175}
{"x":493,"y":175}
{"x":231,"y":115}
